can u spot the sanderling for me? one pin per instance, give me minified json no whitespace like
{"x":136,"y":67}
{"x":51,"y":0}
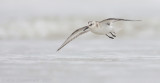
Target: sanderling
{"x":103,"y":27}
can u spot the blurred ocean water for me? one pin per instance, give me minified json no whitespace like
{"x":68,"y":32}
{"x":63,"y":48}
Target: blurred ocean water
{"x":60,"y":27}
{"x":52,"y":19}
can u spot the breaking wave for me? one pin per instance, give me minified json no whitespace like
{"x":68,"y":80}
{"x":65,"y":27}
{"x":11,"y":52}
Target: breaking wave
{"x":58,"y":27}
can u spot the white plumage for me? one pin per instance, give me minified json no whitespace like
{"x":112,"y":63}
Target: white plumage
{"x":103,"y":27}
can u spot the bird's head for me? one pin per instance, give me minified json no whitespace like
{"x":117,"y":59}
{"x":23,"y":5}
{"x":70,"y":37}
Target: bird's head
{"x":92,"y":23}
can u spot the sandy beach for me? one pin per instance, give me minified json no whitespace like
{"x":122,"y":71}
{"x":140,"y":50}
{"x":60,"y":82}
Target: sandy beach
{"x":85,"y":61}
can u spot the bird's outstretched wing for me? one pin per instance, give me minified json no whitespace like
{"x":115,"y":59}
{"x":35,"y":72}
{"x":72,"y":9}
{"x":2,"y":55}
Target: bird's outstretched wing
{"x":74,"y":35}
{"x":112,"y":20}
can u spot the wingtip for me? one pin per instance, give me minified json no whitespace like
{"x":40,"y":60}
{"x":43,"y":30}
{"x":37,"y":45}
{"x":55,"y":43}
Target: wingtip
{"x":138,"y":20}
{"x":133,"y":20}
{"x":57,"y":50}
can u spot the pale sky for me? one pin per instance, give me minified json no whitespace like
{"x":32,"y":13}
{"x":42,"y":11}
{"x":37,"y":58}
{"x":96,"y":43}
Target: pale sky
{"x":79,"y":7}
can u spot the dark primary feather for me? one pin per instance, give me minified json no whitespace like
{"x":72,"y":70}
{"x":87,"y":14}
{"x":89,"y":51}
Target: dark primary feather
{"x":116,"y":19}
{"x":74,"y":35}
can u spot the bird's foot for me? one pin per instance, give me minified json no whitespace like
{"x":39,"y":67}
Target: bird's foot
{"x":109,"y":36}
{"x":113,"y":34}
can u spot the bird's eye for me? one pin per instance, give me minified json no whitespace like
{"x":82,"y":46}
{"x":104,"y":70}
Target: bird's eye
{"x":90,"y":25}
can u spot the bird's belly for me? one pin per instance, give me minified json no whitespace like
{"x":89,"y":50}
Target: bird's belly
{"x":100,"y":30}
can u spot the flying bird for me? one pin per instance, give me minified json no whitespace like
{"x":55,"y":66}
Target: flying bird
{"x":103,"y":27}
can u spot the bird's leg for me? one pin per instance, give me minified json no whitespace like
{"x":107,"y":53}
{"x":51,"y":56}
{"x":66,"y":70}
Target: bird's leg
{"x":113,"y":34}
{"x":109,"y":36}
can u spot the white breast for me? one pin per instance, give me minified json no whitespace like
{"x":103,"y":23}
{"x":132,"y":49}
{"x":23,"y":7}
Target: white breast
{"x":101,"y":30}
